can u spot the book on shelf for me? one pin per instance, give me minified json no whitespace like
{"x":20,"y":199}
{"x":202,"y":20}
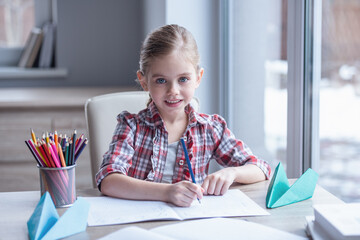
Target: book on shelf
{"x":336,"y":221}
{"x":47,"y":49}
{"x":31,"y":49}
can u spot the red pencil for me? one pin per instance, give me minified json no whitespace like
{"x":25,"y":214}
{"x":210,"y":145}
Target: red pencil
{"x":42,"y":152}
{"x":47,"y":152}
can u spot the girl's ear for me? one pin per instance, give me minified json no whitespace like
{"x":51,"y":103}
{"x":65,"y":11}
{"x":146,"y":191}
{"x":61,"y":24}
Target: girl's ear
{"x":199,"y":77}
{"x":142,"y":80}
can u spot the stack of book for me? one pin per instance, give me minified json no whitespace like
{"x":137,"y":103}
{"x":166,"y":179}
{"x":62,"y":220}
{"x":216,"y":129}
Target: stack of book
{"x":335,"y":221}
{"x":39,"y":48}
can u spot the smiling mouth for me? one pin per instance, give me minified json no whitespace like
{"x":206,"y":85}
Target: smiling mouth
{"x":172,"y":102}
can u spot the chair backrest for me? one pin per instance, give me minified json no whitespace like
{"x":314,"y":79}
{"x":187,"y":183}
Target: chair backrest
{"x":101,"y":112}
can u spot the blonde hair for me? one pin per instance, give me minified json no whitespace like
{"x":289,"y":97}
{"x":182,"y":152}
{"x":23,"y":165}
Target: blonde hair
{"x":163,"y":41}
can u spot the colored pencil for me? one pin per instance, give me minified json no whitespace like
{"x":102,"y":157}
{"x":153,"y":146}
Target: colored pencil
{"x":56,"y":141}
{"x":43,"y":156}
{"x":67,"y":148}
{"x":83,"y":145}
{"x":73,"y":147}
{"x":54,"y":157}
{"x":61,"y":156}
{"x":33,"y":153}
{"x":47,"y":153}
{"x":47,"y":137}
{"x":33,"y":136}
{"x":56,"y":151}
{"x":40,"y":158}
{"x":79,"y":141}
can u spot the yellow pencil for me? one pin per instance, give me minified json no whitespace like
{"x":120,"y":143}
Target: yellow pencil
{"x":47,"y":138}
{"x":33,"y":136}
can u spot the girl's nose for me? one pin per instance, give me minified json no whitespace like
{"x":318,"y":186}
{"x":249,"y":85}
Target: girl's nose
{"x":173,"y":88}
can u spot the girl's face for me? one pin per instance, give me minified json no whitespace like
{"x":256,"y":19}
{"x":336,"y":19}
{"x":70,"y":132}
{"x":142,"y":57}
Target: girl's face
{"x":171,"y":82}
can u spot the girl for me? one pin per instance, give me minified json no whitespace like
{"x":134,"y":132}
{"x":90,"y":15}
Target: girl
{"x":145,"y":146}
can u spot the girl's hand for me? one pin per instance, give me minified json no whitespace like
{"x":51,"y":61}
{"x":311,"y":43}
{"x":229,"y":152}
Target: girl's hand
{"x":183,"y":193}
{"x":219,"y":182}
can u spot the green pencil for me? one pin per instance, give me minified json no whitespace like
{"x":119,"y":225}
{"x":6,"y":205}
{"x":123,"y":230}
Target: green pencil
{"x":67,"y":153}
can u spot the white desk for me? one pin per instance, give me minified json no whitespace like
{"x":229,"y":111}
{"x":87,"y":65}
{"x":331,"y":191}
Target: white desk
{"x":17,"y":207}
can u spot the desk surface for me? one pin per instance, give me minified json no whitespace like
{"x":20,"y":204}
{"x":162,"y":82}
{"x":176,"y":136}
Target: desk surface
{"x":17,"y":207}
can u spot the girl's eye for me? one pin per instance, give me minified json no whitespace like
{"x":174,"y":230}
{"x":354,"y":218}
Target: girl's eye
{"x":160,"y":80}
{"x":184,"y":79}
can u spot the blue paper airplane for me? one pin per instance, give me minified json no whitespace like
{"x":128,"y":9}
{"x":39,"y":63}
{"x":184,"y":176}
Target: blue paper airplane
{"x":280,"y":192}
{"x":45,"y":223}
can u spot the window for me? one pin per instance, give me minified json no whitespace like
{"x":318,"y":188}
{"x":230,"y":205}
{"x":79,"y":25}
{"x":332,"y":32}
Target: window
{"x":339,"y":99}
{"x":304,"y":56}
{"x":256,"y":105}
{"x":16,"y":22}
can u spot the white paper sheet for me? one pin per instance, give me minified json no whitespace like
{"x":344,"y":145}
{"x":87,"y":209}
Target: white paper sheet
{"x":134,"y":233}
{"x":223,"y":228}
{"x":209,"y":229}
{"x":107,"y":210}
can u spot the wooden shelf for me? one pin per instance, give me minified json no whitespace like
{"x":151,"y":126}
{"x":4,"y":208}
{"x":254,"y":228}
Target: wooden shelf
{"x":74,"y":97}
{"x":30,"y":73}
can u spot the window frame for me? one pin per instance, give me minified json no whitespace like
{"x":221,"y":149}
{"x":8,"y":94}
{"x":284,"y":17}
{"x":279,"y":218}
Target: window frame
{"x":295,"y":119}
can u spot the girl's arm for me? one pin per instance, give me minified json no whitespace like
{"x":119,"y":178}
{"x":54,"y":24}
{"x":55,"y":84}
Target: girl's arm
{"x":219,"y":182}
{"x":122,"y":186}
{"x":242,"y":165}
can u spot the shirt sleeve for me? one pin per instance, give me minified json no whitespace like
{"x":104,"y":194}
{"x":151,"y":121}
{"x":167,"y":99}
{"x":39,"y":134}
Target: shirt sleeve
{"x":233,"y":152}
{"x":121,"y":149}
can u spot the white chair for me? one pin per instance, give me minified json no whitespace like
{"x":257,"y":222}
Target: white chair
{"x":101,"y":112}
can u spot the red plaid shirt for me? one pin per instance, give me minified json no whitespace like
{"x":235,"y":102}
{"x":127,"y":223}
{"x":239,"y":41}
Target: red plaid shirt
{"x":140,"y":142}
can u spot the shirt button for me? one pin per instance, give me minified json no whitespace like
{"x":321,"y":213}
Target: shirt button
{"x":181,"y":162}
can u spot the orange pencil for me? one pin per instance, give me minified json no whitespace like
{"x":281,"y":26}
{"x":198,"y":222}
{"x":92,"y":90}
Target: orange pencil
{"x":56,"y":141}
{"x":79,"y":139}
{"x":57,"y":163}
{"x":61,"y":156}
{"x":62,"y":160}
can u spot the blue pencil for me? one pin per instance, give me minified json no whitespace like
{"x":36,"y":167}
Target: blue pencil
{"x":72,"y":156}
{"x":188,"y":162}
{"x":81,"y":148}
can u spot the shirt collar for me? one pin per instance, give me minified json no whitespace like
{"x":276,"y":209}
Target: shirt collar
{"x":194,"y":117}
{"x":153,"y":117}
